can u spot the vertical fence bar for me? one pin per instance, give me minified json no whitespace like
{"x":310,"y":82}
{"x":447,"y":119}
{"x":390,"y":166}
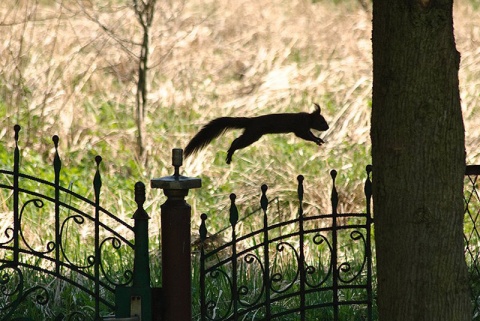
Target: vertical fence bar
{"x":266,"y":252}
{"x":97,"y":185}
{"x":203,"y":237}
{"x":301,"y":259}
{"x":57,"y":165}
{"x":16,"y":191}
{"x":233,"y":223}
{"x":335,"y":276}
{"x":368,"y":246}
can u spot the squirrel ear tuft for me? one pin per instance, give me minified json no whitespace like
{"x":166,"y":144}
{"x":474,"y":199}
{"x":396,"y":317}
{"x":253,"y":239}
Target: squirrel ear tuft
{"x":317,"y":108}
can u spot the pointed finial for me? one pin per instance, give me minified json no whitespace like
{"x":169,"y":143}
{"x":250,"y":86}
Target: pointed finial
{"x":16,"y":128}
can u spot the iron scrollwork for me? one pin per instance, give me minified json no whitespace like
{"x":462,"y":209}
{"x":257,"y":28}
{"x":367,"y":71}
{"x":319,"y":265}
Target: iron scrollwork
{"x":279,"y":278}
{"x":319,"y":240}
{"x":13,"y":291}
{"x":346,"y":267}
{"x":246,"y":295}
{"x":50,"y":246}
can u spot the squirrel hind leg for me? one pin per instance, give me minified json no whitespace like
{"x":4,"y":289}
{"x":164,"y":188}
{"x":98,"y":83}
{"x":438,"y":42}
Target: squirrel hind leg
{"x":242,"y":141}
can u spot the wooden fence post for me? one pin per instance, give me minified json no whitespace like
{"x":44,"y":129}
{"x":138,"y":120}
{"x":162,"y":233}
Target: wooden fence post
{"x":176,"y":248}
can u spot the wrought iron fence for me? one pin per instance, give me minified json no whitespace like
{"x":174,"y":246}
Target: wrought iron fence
{"x":313,"y":267}
{"x":38,"y":253}
{"x":472,"y":233}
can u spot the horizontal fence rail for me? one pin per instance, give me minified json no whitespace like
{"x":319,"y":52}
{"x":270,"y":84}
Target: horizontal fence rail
{"x":309,"y":268}
{"x":36,"y":251}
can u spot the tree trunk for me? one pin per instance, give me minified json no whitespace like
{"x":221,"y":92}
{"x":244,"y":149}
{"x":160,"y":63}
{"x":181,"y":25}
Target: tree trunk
{"x":418,"y":158}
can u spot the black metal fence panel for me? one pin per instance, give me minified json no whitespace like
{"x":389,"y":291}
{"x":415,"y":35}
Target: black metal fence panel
{"x":308,"y":268}
{"x":39,"y":255}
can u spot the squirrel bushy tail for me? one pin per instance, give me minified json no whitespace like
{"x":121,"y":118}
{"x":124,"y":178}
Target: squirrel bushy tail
{"x":212,"y":130}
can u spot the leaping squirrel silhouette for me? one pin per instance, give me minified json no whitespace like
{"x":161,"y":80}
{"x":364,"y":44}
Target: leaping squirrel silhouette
{"x":255,"y":127}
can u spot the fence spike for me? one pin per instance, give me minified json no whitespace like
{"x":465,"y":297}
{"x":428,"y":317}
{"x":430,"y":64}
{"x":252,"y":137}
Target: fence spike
{"x":300,"y":179}
{"x":16,"y":129}
{"x":57,"y":163}
{"x":264,"y":199}
{"x":139,"y":193}
{"x":97,"y":180}
{"x":334,"y":197}
{"x":55,"y":140}
{"x":368,"y":187}
{"x":140,"y":213}
{"x":203,"y":227}
{"x":233,"y":210}
{"x":16,"y":153}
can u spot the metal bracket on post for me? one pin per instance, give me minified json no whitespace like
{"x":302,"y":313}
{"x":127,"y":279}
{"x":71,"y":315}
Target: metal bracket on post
{"x":176,"y":243}
{"x":136,"y":307}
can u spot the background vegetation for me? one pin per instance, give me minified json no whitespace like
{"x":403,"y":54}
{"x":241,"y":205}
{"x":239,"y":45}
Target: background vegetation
{"x":71,"y":68}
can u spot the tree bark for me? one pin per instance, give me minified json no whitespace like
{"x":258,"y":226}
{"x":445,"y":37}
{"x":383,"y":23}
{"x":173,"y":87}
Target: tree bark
{"x":418,"y":155}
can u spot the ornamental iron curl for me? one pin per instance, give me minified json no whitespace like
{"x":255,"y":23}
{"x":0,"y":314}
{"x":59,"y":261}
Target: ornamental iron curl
{"x":320,"y":239}
{"x":303,"y":268}
{"x":251,"y":296}
{"x":56,"y":250}
{"x":14,"y":291}
{"x":50,"y":246}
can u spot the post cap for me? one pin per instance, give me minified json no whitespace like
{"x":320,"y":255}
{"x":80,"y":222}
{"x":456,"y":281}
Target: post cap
{"x":176,"y":181}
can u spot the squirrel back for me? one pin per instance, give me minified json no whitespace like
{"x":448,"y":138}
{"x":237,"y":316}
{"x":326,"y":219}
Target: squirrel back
{"x":212,"y":130}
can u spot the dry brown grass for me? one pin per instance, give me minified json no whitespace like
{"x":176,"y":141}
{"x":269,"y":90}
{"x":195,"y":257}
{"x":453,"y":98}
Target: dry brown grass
{"x":60,"y":72}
